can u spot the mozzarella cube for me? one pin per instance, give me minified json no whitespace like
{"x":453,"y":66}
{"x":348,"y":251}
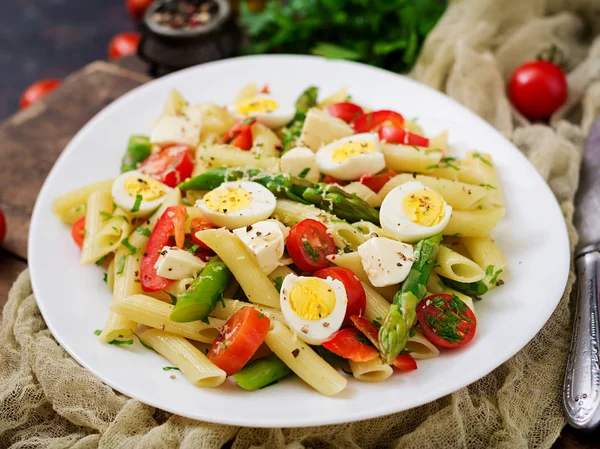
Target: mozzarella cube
{"x":300,"y":160}
{"x":386,"y":261}
{"x":266,"y":240}
{"x":175,"y":263}
{"x":320,"y":128}
{"x":176,"y":129}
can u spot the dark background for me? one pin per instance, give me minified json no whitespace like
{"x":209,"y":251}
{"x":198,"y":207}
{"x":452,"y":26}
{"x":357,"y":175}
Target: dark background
{"x":52,"y":38}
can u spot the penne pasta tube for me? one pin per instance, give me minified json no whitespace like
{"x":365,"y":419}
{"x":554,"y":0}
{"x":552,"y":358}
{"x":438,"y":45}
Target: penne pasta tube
{"x":258,"y":287}
{"x":372,"y":371}
{"x":303,"y":361}
{"x":409,"y":158}
{"x":155,"y":313}
{"x":290,"y":213}
{"x":230,"y":156}
{"x":226,"y":308}
{"x":100,"y":205}
{"x":457,"y":267}
{"x":71,"y":206}
{"x":364,"y":193}
{"x":420,"y":347}
{"x":194,"y":365}
{"x":473,"y":223}
{"x":487,"y":255}
{"x":483,"y":165}
{"x":377,"y":306}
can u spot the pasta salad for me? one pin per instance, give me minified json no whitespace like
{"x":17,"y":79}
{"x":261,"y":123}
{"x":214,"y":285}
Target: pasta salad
{"x":261,"y":241}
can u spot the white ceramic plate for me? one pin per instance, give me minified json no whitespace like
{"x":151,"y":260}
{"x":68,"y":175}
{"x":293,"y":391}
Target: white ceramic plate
{"x":74,"y":300}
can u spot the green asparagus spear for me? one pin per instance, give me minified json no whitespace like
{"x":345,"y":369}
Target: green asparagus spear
{"x":328,"y":197}
{"x":138,"y":149}
{"x":402,"y":315}
{"x":261,"y":372}
{"x":202,"y":296}
{"x":307,"y":100}
{"x":477,"y":288}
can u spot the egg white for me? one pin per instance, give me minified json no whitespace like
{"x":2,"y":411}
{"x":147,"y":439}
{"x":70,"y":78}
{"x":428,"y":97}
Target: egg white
{"x":355,"y":166}
{"x":278,"y":118}
{"x":260,"y":208}
{"x":396,"y":223}
{"x":126,"y":201}
{"x":314,"y":332}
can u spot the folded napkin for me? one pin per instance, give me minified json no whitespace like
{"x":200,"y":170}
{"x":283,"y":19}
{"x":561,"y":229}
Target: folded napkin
{"x":48,"y":401}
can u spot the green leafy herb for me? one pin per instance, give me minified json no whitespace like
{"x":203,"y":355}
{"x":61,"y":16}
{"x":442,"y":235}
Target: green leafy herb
{"x":105,"y":277}
{"x":100,"y":261}
{"x":192,"y":249}
{"x":224,"y":346}
{"x":417,"y":148}
{"x":126,"y":244}
{"x":97,"y":332}
{"x":144,"y":344}
{"x":364,"y":339}
{"x":488,"y":186}
{"x":144,"y":231}
{"x":411,"y":332}
{"x":304,"y":172}
{"x":170,"y":368}
{"x":120,"y":342}
{"x":495,"y":277}
{"x":480,"y":207}
{"x":306,"y":100}
{"x":433,"y":150}
{"x":482,"y":159}
{"x":347,"y":249}
{"x":456,"y":234}
{"x":105,"y":215}
{"x":376,"y":323}
{"x":121,"y":265}
{"x":136,"y":205}
{"x":384,"y":33}
{"x":172,"y":296}
{"x":221,"y":300}
{"x":314,"y":255}
{"x":278,"y":281}
{"x":489,"y":270}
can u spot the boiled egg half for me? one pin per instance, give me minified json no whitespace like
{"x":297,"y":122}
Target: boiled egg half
{"x":266,"y":240}
{"x":138,"y":194}
{"x":351,"y":157}
{"x":237,"y":204}
{"x":411,"y":212}
{"x":314,"y":308}
{"x":265,"y":108}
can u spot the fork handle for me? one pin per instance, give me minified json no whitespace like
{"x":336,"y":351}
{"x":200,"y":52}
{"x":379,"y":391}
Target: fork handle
{"x":581,"y":390}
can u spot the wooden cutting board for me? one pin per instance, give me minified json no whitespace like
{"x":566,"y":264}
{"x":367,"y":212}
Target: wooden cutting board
{"x":32,"y":139}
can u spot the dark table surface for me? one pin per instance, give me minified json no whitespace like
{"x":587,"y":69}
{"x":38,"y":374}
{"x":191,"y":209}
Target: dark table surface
{"x":51,"y":39}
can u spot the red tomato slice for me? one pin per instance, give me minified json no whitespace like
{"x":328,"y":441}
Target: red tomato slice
{"x":77,"y":231}
{"x":37,"y":91}
{"x":240,"y":337}
{"x":309,"y":244}
{"x":351,"y":344}
{"x":357,"y":299}
{"x":171,"y":221}
{"x":123,"y":44}
{"x":240,"y":134}
{"x":376,"y":182}
{"x":331,"y":180}
{"x":346,"y":111}
{"x":398,"y":135}
{"x":172,"y":165}
{"x":200,"y":224}
{"x":405,"y":362}
{"x":370,"y":121}
{"x":446,"y":321}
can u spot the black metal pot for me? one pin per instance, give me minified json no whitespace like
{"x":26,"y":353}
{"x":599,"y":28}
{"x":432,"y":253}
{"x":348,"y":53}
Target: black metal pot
{"x":169,"y":49}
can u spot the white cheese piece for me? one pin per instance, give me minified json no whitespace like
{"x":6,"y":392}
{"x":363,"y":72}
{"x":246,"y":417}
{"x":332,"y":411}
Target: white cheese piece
{"x":266,"y":239}
{"x":298,"y":160}
{"x":320,"y":128}
{"x":175,"y":129}
{"x":175,"y":263}
{"x":385,"y":261}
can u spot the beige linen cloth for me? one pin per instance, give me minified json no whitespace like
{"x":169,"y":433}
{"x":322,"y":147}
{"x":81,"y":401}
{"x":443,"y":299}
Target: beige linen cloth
{"x":48,"y":401}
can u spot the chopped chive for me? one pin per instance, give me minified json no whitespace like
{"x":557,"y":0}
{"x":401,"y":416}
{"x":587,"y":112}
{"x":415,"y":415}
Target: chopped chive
{"x":126,"y":244}
{"x":97,"y":332}
{"x":121,"y":265}
{"x":144,"y":231}
{"x":136,"y":205}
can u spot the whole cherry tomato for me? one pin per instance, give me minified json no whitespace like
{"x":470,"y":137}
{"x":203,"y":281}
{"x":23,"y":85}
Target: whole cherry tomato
{"x":123,"y":44}
{"x":137,"y":8}
{"x":36,"y":91}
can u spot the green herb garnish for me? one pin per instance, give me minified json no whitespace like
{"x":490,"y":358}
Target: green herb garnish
{"x":144,"y":344}
{"x":138,"y":202}
{"x":126,"y":244}
{"x":100,"y":261}
{"x":170,"y":368}
{"x":278,"y":281}
{"x":482,"y":159}
{"x":120,"y":342}
{"x":488,"y":186}
{"x":106,"y":215}
{"x":121,"y":265}
{"x":172,"y":296}
{"x":303,"y":173}
{"x":97,"y":332}
{"x":144,"y":231}
{"x":314,"y":255}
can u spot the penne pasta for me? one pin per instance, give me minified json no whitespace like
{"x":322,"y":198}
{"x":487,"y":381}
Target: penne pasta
{"x":457,"y":267}
{"x":411,"y":159}
{"x":473,"y":223}
{"x":483,"y":166}
{"x":290,"y":213}
{"x":100,"y":205}
{"x":226,"y":308}
{"x":377,"y":306}
{"x":230,"y":156}
{"x":71,"y":206}
{"x":487,"y":255}
{"x":192,"y":362}
{"x":265,"y":142}
{"x":372,"y":371}
{"x":364,"y":193}
{"x":420,"y":348}
{"x":303,"y":361}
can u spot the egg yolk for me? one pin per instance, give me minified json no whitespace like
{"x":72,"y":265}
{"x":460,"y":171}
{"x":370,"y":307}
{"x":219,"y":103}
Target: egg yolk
{"x":148,"y":188}
{"x":423,"y":207}
{"x":350,"y":149}
{"x":256,"y":105}
{"x":227,"y":199}
{"x":312,"y":299}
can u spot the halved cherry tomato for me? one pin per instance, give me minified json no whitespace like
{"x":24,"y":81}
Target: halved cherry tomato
{"x":351,"y":344}
{"x":200,"y":224}
{"x":37,"y":91}
{"x":172,"y":221}
{"x":446,"y":321}
{"x":240,"y":134}
{"x":376,"y":182}
{"x":77,"y":231}
{"x":399,"y":135}
{"x":402,"y":361}
{"x":345,"y":110}
{"x":172,"y":165}
{"x":357,"y":299}
{"x":309,"y":244}
{"x":405,"y":362}
{"x":123,"y":44}
{"x":240,"y":337}
{"x":371,"y":120}
{"x":331,"y":180}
